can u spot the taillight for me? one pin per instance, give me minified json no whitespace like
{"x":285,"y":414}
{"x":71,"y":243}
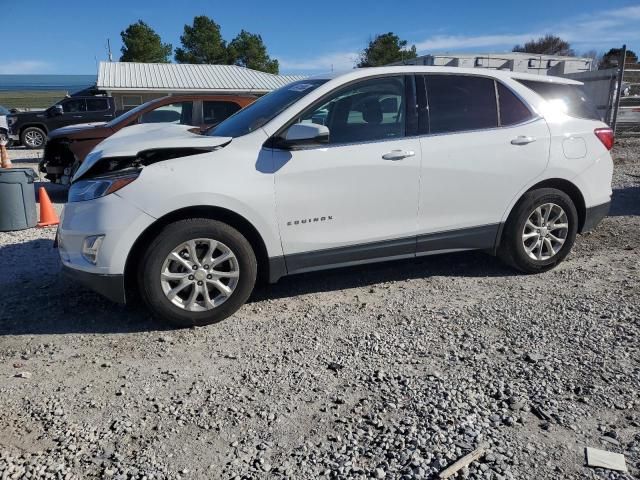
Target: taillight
{"x":606,"y":137}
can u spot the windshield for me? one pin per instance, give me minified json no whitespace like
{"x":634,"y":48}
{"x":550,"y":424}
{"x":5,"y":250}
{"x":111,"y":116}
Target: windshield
{"x":4,"y":111}
{"x":131,"y":113}
{"x":264,"y":109}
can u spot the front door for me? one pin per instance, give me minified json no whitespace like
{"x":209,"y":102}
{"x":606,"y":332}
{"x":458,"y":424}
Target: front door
{"x":355,"y":199}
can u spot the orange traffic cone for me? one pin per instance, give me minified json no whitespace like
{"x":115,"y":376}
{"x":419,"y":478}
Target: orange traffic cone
{"x":4,"y":157}
{"x":48,"y":215}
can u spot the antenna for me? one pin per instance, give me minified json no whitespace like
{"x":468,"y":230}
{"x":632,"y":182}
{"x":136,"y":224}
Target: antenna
{"x":109,"y":50}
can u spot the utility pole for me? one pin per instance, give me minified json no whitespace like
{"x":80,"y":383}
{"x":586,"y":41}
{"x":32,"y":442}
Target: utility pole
{"x":109,"y":50}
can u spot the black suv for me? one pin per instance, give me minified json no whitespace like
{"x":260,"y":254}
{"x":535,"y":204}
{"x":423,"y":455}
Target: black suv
{"x":31,"y":128}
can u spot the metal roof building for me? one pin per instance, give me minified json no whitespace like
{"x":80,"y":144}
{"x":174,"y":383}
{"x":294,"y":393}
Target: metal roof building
{"x":132,"y":83}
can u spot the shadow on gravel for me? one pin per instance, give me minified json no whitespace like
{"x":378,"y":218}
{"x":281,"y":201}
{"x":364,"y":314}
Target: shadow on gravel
{"x":39,"y":300}
{"x":625,"y":202}
{"x":463,"y":264}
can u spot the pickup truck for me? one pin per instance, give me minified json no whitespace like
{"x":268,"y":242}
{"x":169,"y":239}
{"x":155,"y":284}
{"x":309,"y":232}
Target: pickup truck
{"x":68,"y":146}
{"x":31,"y":128}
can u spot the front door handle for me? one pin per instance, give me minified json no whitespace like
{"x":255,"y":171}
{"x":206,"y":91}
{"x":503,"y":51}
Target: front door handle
{"x":522,"y":140}
{"x":77,"y":116}
{"x":398,"y":154}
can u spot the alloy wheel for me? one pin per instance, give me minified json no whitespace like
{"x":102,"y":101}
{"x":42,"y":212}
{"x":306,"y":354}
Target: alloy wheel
{"x":199,"y":275}
{"x":545,"y":231}
{"x":34,"y":138}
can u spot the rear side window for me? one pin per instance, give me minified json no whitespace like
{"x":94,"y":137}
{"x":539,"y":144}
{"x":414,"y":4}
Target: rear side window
{"x":74,"y":106}
{"x":97,"y":104}
{"x":459,"y":103}
{"x":215,"y":112}
{"x":573,"y":97}
{"x":179,"y":113}
{"x":512,"y":110}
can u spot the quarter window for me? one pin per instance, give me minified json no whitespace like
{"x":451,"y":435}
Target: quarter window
{"x":367,"y":111}
{"x":572,"y":98}
{"x":512,"y":110}
{"x":459,"y":103}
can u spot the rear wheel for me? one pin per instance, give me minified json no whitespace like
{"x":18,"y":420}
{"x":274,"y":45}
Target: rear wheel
{"x":33,"y":137}
{"x":197,"y":272}
{"x":540,"y":231}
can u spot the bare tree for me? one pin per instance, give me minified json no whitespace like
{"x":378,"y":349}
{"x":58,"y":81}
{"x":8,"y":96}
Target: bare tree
{"x":547,"y":45}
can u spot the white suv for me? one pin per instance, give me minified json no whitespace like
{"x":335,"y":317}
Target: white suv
{"x":376,"y":164}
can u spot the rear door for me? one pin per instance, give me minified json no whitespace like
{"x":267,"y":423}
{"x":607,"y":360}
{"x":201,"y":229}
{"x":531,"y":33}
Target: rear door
{"x":98,"y":110}
{"x":476,"y":158}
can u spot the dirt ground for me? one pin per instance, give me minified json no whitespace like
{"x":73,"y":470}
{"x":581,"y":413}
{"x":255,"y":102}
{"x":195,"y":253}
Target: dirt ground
{"x":384,"y":371}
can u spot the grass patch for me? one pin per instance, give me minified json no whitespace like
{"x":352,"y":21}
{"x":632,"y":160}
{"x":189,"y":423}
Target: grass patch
{"x":30,"y":99}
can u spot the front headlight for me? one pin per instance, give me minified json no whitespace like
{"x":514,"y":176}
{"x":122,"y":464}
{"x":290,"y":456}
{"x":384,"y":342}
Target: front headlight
{"x":93,"y":188}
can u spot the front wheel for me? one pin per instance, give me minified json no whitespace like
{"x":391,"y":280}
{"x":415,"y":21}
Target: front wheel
{"x":33,"y":137}
{"x":540,"y":231}
{"x":197,"y":272}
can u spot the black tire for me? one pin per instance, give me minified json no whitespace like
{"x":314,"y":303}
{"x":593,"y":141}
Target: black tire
{"x":4,"y":136}
{"x":33,"y":138}
{"x":169,"y":238}
{"x":512,"y":248}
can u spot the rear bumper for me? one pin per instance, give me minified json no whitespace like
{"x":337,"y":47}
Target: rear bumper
{"x":109,"y":286}
{"x":594,"y":216}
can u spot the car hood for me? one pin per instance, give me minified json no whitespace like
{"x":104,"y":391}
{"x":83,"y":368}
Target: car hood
{"x":77,"y":127}
{"x":131,"y":141}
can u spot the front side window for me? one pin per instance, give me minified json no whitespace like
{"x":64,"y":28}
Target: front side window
{"x":459,"y":103}
{"x":97,"y":104}
{"x":367,"y":111}
{"x":512,"y":110}
{"x":74,"y":106}
{"x":178,"y":113}
{"x":215,"y":111}
{"x":572,"y":98}
{"x":263,"y":110}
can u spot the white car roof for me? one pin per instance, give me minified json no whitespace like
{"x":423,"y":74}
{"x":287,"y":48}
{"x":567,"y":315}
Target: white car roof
{"x":499,"y":74}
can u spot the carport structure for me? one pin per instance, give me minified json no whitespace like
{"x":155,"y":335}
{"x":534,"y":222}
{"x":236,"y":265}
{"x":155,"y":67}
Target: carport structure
{"x":132,"y":83}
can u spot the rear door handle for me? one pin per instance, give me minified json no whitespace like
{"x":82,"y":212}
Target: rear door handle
{"x":522,"y":140}
{"x":77,"y":116}
{"x":398,"y":154}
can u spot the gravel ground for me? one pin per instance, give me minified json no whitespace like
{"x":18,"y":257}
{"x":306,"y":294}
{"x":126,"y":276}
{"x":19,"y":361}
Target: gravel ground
{"x":386,"y":371}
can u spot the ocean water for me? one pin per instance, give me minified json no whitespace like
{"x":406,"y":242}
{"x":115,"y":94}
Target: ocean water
{"x":69,"y":83}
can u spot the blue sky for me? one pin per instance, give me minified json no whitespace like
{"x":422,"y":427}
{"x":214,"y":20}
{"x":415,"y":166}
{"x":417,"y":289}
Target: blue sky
{"x":68,"y":36}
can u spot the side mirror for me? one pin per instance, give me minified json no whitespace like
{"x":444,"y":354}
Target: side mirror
{"x":305,"y":135}
{"x":56,"y":110}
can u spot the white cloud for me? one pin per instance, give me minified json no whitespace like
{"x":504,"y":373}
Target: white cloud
{"x":324,"y":63}
{"x":627,"y":13}
{"x":24,"y":67}
{"x":456,"y":42}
